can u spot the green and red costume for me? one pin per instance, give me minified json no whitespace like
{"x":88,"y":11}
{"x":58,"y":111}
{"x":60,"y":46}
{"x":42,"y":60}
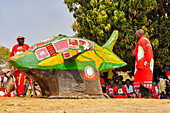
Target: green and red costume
{"x":121,"y":92}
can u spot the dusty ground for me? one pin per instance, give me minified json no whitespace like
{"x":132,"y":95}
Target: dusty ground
{"x":40,"y":105}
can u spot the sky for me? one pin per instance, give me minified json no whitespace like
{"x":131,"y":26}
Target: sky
{"x":36,"y":20}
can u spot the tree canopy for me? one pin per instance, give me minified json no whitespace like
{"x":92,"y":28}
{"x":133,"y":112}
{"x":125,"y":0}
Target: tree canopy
{"x":96,"y":20}
{"x":4,"y":56}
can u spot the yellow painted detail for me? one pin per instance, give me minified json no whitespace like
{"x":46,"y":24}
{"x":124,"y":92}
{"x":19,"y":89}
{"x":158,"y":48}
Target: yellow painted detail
{"x":73,"y":53}
{"x":107,"y":55}
{"x":20,"y":55}
{"x":82,"y":59}
{"x":113,"y":43}
{"x":58,"y":59}
{"x":98,"y":60}
{"x":88,"y":54}
{"x":91,"y":55}
{"x":110,"y":74}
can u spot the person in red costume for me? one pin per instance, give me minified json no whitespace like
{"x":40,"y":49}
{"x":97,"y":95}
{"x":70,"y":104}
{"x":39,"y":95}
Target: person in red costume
{"x":144,"y":62}
{"x":19,"y":76}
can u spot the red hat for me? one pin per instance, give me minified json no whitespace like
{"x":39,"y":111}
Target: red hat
{"x":20,"y":36}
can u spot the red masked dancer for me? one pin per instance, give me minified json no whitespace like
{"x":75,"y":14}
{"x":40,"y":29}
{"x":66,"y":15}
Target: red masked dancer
{"x":144,"y":62}
{"x":19,"y":76}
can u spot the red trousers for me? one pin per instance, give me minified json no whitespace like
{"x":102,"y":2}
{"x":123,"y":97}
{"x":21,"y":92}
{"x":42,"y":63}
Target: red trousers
{"x":20,"y":81}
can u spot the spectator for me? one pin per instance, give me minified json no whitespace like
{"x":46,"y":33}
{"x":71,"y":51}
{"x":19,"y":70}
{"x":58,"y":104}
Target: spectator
{"x":29,"y":84}
{"x":112,"y":88}
{"x":7,"y":87}
{"x":121,"y":92}
{"x":108,"y":85}
{"x":103,"y":84}
{"x":119,"y":78}
{"x":3,"y":80}
{"x":155,"y":90}
{"x":37,"y":89}
{"x":167,"y":72}
{"x":129,"y":88}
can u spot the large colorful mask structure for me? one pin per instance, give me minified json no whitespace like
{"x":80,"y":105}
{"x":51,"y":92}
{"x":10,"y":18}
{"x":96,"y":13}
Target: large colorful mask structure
{"x":68,"y":66}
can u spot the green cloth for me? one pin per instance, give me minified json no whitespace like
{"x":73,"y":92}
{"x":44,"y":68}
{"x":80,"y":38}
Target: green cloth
{"x":121,"y":86}
{"x":112,"y":85}
{"x":153,"y":83}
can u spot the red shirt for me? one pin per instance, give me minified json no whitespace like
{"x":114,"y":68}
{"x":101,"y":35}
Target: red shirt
{"x":16,"y":48}
{"x":102,"y":82}
{"x":121,"y":90}
{"x":114,"y":87}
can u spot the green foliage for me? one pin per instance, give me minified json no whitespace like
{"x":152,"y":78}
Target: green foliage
{"x":161,"y":42}
{"x":96,"y":20}
{"x":4,"y":56}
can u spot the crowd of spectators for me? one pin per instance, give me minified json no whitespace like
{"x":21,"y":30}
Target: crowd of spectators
{"x":31,"y":88}
{"x":117,"y":88}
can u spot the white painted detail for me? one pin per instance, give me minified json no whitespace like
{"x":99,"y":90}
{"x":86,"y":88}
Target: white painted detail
{"x":140,"y":52}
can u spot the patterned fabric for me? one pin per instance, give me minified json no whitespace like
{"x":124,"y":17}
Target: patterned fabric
{"x":112,"y":88}
{"x":144,"y":64}
{"x":18,"y":49}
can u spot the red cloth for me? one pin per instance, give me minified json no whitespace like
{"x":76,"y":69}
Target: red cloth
{"x":144,"y":61}
{"x":15,"y":49}
{"x":20,"y":81}
{"x":115,"y":88}
{"x":121,"y":92}
{"x":11,"y":94}
{"x":120,"y":96}
{"x":168,"y":75}
{"x":102,"y":82}
{"x":107,"y":88}
{"x":19,"y":76}
{"x":139,"y":95}
{"x":30,"y":81}
{"x":155,"y":93}
{"x":3,"y":90}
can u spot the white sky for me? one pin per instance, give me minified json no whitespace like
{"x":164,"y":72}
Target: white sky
{"x":37,"y":20}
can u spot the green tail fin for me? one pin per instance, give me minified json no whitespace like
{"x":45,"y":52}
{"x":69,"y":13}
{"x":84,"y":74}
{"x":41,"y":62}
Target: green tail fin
{"x":112,"y":40}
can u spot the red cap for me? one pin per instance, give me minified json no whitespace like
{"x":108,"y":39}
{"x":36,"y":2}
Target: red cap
{"x":20,"y":36}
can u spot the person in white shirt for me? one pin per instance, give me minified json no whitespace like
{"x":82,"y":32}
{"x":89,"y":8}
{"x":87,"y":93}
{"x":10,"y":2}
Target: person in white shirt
{"x":129,"y":88}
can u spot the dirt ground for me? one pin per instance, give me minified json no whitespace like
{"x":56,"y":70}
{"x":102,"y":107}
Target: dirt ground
{"x":42,"y":105}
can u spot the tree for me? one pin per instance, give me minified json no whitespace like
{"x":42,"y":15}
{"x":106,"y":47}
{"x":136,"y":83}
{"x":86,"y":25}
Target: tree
{"x":96,"y":20}
{"x":4,"y":56}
